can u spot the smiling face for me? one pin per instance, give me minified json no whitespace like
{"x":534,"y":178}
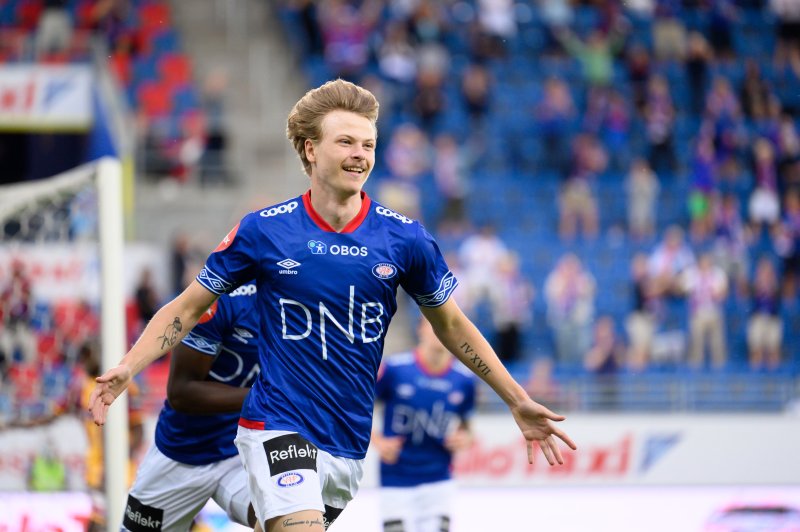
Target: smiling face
{"x":343,"y":157}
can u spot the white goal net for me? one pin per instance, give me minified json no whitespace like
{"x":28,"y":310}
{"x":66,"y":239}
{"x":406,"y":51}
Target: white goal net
{"x":61,"y":296}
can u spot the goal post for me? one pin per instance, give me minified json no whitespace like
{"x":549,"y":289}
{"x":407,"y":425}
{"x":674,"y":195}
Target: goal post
{"x":38,"y":218}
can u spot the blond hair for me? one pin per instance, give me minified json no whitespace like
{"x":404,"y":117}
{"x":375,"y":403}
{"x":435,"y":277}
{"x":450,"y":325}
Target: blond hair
{"x":305,"y":119}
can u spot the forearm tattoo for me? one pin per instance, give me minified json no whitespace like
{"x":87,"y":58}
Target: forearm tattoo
{"x":304,"y":523}
{"x":480,"y":366}
{"x":171,"y":333}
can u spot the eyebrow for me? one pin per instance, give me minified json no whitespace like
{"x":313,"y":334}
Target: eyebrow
{"x":351,"y":137}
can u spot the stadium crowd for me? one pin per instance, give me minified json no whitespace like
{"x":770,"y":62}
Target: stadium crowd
{"x":616,"y":184}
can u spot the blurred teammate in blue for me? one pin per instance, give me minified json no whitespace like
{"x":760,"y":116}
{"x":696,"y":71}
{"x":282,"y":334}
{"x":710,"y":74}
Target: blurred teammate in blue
{"x":194,"y":458}
{"x":327,"y":265}
{"x":428,"y":398}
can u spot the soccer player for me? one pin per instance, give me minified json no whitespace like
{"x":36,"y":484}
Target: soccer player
{"x":194,"y":458}
{"x":327,"y":265}
{"x":428,"y":398}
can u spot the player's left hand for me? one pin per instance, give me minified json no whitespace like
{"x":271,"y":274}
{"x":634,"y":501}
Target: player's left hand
{"x":536,"y":423}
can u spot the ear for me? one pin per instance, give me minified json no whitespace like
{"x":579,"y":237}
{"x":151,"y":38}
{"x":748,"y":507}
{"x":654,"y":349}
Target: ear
{"x":310,"y":155}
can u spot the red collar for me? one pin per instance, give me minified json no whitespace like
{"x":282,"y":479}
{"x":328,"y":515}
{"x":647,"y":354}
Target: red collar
{"x":427,"y":370}
{"x":351,"y":226}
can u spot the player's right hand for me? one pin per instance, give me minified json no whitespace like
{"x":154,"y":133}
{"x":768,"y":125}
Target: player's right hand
{"x":109,"y":385}
{"x":389,"y":448}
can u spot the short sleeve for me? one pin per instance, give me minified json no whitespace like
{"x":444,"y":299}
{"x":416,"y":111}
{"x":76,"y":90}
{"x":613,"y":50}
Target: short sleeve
{"x":207,"y":336}
{"x":234,"y":260}
{"x":428,"y":279}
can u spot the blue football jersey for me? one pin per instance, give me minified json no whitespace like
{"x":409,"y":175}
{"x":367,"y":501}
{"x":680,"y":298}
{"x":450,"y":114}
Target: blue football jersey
{"x":325,"y":300}
{"x":228,"y":331}
{"x":422,"y":407}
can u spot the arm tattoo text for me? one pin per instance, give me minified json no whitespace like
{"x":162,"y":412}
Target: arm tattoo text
{"x":171,"y":333}
{"x":306,"y":523}
{"x":480,"y":366}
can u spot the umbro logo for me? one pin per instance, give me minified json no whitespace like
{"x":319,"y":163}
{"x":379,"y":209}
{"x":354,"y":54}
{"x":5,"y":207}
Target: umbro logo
{"x":288,"y":266}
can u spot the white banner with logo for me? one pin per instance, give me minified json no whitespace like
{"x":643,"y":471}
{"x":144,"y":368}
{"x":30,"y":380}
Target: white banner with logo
{"x":636,"y":449}
{"x":63,"y":512}
{"x":45,"y":96}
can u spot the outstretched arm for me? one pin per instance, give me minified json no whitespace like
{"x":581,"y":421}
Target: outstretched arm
{"x":464,"y":340}
{"x":163,"y":333}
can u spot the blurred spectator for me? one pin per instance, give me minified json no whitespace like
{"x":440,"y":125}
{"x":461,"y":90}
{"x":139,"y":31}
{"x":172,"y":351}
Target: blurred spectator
{"x":722,"y":15}
{"x":570,"y":293}
{"x":213,"y":168}
{"x":698,"y":57}
{"x":706,"y":286}
{"x":638,"y":63}
{"x":787,"y":49}
{"x":755,"y":92}
{"x":669,"y":32}
{"x":397,"y":58}
{"x":451,"y":167}
{"x":476,"y":85}
{"x":703,"y":188}
{"x":669,"y":259}
{"x":147,"y":300}
{"x":555,"y":114}
{"x":577,"y":202}
{"x":311,"y":38}
{"x":17,"y":339}
{"x":180,"y":257}
{"x":641,"y":322}
{"x":429,"y":99}
{"x":607,"y":115}
{"x":48,"y":473}
{"x":604,"y":360}
{"x":401,"y":196}
{"x":765,"y":327}
{"x":764,"y":206}
{"x":346,"y":27}
{"x":511,"y":298}
{"x":408,"y":153}
{"x":730,"y":242}
{"x":789,"y":154}
{"x":659,"y":117}
{"x":642,"y":188}
{"x":543,"y":385}
{"x":596,"y":54}
{"x":54,"y":30}
{"x":479,"y":255}
{"x":494,"y":25}
{"x":787,"y":244}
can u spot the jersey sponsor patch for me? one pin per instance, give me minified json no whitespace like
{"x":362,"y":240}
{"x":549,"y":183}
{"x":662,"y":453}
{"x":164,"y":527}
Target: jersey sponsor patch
{"x":289,"y":452}
{"x":141,"y":518}
{"x":228,"y":240}
{"x":292,"y":478}
{"x":209,"y":313}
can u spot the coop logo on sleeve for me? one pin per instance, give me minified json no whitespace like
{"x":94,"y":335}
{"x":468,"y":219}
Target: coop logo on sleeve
{"x":141,"y":518}
{"x":289,"y":453}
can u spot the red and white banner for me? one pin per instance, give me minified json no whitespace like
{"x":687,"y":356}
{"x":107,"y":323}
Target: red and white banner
{"x":45,"y":96}
{"x":45,"y":512}
{"x":635,"y":450}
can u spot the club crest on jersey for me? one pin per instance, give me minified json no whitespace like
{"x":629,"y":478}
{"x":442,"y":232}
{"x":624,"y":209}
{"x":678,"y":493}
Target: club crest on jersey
{"x":292,"y":478}
{"x":384,"y":270}
{"x":317,"y":247}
